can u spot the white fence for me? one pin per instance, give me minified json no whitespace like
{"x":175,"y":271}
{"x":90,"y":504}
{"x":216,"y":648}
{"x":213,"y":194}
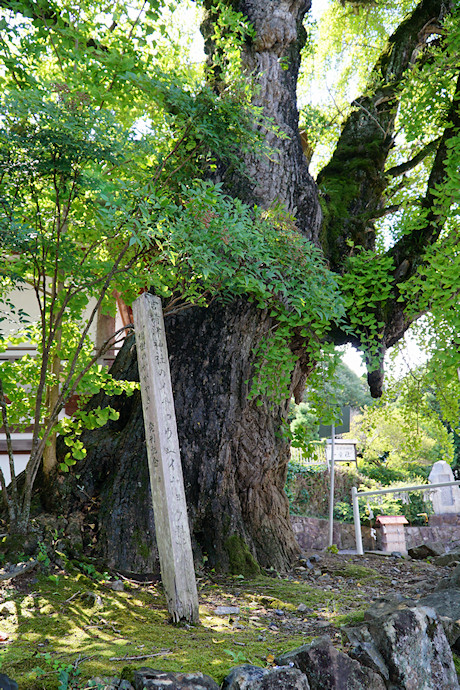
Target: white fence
{"x":355,"y":494}
{"x":317,"y":457}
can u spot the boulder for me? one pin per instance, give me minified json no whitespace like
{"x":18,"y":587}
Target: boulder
{"x":148,"y":678}
{"x":428,"y":549}
{"x":243,"y":677}
{"x":446,"y":603}
{"x":329,"y":669}
{"x":364,"y":650}
{"x":414,"y":647}
{"x":388,"y":605}
{"x":450,"y":582}
{"x":254,"y":678}
{"x":448,"y":558}
{"x":7,"y":683}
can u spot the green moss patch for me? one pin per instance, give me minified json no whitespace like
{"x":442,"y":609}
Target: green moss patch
{"x":77,"y":623}
{"x":242,"y":562}
{"x":457,"y":664}
{"x":358,"y":572}
{"x":71,"y":621}
{"x":350,"y":618}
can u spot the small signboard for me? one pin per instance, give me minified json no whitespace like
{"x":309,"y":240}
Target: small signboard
{"x":344,"y":450}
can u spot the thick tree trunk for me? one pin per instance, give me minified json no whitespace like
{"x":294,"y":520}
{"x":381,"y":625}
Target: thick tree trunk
{"x":234,"y":458}
{"x":233,"y":455}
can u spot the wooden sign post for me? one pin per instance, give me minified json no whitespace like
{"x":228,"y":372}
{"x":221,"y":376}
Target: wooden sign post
{"x":168,"y":495}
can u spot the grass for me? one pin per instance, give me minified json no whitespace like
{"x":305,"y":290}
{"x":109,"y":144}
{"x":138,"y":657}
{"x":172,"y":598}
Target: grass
{"x":75,"y":620}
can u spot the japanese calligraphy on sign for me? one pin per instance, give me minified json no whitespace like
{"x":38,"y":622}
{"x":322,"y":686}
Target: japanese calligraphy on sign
{"x":168,"y":495}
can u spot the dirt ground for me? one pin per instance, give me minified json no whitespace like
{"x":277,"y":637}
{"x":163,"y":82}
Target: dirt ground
{"x":354,"y":583}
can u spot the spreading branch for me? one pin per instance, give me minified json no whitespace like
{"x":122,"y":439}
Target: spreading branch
{"x":366,"y":141}
{"x":402,"y":168}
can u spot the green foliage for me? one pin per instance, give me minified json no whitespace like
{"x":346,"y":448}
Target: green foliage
{"x":414,"y":506}
{"x":327,"y":391}
{"x":304,"y":429}
{"x":342,"y":49}
{"x":67,"y":674}
{"x":352,"y":390}
{"x":101,"y":190}
{"x":367,"y":287}
{"x":307,"y":487}
{"x":403,"y":430}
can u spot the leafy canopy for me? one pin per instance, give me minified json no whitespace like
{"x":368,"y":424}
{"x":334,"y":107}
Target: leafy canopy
{"x":106,"y":138}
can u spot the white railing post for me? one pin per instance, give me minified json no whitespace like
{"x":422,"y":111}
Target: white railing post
{"x":358,"y":537}
{"x":331,"y":492}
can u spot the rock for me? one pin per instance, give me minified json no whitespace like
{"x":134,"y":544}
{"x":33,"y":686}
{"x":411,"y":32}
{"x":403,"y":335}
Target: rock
{"x":227,"y":610}
{"x":415,"y":649}
{"x":106,"y":683}
{"x":365,"y":651}
{"x":448,"y":558}
{"x":303,"y":608}
{"x":450,"y":582}
{"x":243,"y":677}
{"x":369,"y":656}
{"x":14,"y":570}
{"x":446,"y":603}
{"x":427,"y":550}
{"x":278,"y":612}
{"x":117,"y":586}
{"x":254,"y":678}
{"x":149,"y":679}
{"x":387,"y":605}
{"x":328,"y":669}
{"x":7,"y":683}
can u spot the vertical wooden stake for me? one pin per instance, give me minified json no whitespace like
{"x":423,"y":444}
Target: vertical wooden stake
{"x":168,"y":495}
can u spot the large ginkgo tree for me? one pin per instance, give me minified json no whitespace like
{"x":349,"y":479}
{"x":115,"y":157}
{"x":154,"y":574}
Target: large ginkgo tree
{"x":263,"y":267}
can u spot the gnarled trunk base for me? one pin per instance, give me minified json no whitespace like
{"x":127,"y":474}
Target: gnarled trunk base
{"x":234,"y":460}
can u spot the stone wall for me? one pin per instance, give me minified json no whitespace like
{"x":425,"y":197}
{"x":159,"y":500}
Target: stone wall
{"x":441,"y":528}
{"x":312,"y":533}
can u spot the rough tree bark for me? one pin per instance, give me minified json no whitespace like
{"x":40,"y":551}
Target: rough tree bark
{"x":233,"y":459}
{"x":233,"y":456}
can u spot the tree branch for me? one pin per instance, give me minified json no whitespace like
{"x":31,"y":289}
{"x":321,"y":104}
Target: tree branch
{"x":366,"y":140}
{"x":397,"y":170}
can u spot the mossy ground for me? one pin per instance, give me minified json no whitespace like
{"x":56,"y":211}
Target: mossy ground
{"x":66,"y":619}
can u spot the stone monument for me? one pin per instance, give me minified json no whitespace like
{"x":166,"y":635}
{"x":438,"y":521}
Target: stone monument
{"x":444,"y":499}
